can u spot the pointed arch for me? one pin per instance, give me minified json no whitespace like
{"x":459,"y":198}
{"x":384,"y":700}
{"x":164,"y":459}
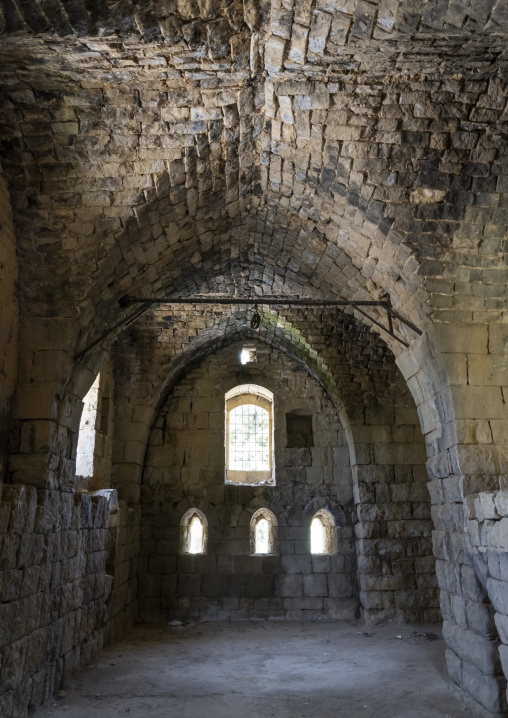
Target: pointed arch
{"x":263,"y":533}
{"x":193,"y":532}
{"x":323,"y":533}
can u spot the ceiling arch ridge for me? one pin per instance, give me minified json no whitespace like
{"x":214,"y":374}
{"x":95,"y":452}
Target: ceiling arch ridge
{"x":95,"y":160}
{"x":369,"y":265}
{"x":283,"y":338}
{"x":303,"y":34}
{"x":349,"y":361}
{"x":429,"y":200}
{"x":193,"y":265}
{"x":340,"y":349}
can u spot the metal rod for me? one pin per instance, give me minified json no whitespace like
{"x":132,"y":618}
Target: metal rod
{"x":275,"y":301}
{"x":409,"y":324}
{"x":382,"y":327}
{"x":271,"y":301}
{"x":125,"y":320}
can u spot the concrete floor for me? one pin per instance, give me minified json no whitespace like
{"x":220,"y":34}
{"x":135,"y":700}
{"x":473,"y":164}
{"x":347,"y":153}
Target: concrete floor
{"x":265,"y":670}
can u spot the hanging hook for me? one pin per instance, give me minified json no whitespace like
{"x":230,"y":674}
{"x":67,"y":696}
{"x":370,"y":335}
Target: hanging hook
{"x":256,"y":319}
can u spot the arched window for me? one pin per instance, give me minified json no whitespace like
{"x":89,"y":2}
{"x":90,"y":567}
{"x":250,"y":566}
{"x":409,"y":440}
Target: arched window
{"x":86,"y":438}
{"x":323,"y":533}
{"x":249,"y":435}
{"x":263,"y":533}
{"x":193,"y":532}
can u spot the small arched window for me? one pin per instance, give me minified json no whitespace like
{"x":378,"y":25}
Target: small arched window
{"x":263,"y":533}
{"x":86,"y":438}
{"x":193,"y":532}
{"x":249,"y":435}
{"x":323,"y":533}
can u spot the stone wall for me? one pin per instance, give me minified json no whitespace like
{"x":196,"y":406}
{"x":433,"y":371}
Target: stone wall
{"x":148,"y":152}
{"x":54,"y":590}
{"x":121,"y":564}
{"x":459,"y":395}
{"x":395,"y":560}
{"x":481,"y":659}
{"x":185,"y":468}
{"x":68,"y":556}
{"x":9,"y":318}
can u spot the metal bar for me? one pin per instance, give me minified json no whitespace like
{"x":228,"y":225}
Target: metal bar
{"x":390,"y":322}
{"x":271,"y":301}
{"x":125,"y":320}
{"x":409,"y":324}
{"x":382,"y":327}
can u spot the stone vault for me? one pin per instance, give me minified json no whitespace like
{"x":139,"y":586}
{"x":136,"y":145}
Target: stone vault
{"x":350,"y":150}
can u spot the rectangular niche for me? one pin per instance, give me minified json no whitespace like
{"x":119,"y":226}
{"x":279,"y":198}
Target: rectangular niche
{"x":299,"y":430}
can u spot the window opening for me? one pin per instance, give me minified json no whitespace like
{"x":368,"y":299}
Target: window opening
{"x":249,"y":435}
{"x":193,"y":532}
{"x":261,"y":539}
{"x":323,"y":535}
{"x":248,"y":355}
{"x":86,"y":437}
{"x":299,"y":430}
{"x":317,"y":536}
{"x":196,"y":536}
{"x":263,"y":533}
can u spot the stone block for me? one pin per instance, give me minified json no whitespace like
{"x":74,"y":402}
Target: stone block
{"x":296,"y":564}
{"x":481,"y":652}
{"x":454,"y":665}
{"x":480,"y":619}
{"x":463,"y":338}
{"x":498,"y":339}
{"x":319,"y":30}
{"x":13,"y":662}
{"x":274,"y":53}
{"x":321,"y":564}
{"x":298,"y":47}
{"x":16,"y":497}
{"x":339,"y":586}
{"x":472,"y":589}
{"x":315,"y":585}
{"x":259,"y":586}
{"x":485,"y":689}
{"x":189,"y":584}
{"x":501,"y":503}
{"x":477,"y":402}
{"x":290,"y":585}
{"x":162,"y":564}
{"x":487,"y":370}
{"x":215,"y":586}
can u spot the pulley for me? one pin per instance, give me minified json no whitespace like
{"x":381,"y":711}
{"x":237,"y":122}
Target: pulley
{"x":255,"y":322}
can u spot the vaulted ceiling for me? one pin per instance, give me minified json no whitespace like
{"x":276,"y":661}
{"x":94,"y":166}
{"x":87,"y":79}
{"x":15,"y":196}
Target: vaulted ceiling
{"x":338,"y":150}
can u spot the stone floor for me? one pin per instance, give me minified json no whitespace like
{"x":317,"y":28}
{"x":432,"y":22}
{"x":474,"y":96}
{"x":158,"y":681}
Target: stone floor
{"x":265,"y":669}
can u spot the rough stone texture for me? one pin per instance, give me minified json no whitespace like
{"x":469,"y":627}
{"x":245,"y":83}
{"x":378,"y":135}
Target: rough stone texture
{"x":54,"y":590}
{"x":487,"y":523}
{"x":9,"y":318}
{"x":64,"y":586}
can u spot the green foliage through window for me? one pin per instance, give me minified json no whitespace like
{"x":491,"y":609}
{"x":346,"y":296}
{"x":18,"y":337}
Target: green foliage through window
{"x":249,"y":438}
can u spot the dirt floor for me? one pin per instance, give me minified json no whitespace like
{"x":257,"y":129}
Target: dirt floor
{"x":265,"y":670}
